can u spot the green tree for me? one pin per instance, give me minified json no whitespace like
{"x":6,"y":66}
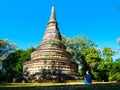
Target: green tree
{"x":5,"y":48}
{"x":107,"y":54}
{"x":109,"y":69}
{"x":83,"y":50}
{"x":14,"y":63}
{"x":113,"y":71}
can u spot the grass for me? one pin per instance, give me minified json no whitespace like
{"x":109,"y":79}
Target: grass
{"x":60,"y":86}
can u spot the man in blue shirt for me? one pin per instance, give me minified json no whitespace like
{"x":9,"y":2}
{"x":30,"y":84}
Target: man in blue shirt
{"x":88,"y":78}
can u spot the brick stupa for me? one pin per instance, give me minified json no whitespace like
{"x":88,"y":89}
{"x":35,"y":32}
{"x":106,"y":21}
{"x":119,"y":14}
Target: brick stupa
{"x":51,"y":60}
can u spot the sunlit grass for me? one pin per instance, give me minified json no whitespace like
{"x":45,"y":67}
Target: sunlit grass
{"x":60,"y":86}
{"x":36,"y":84}
{"x":46,"y":84}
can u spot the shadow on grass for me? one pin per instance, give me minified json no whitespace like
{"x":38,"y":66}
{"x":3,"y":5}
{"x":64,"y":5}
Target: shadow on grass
{"x":100,"y":86}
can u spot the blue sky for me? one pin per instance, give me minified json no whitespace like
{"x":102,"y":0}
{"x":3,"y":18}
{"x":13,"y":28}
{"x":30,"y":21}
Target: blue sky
{"x":23,"y":22}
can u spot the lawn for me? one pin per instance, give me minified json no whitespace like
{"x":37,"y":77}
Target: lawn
{"x":60,"y":86}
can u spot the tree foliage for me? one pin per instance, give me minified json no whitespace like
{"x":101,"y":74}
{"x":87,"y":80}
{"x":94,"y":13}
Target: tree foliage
{"x":5,"y":48}
{"x":13,"y":64}
{"x":83,"y":50}
{"x":99,"y":62}
{"x":107,"y":54}
{"x":107,"y":65}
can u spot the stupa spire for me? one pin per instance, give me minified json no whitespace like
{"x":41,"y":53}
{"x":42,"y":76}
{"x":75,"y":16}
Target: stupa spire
{"x":52,"y":16}
{"x":52,"y":30}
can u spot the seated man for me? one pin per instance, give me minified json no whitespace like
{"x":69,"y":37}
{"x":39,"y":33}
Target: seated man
{"x":88,"y":78}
